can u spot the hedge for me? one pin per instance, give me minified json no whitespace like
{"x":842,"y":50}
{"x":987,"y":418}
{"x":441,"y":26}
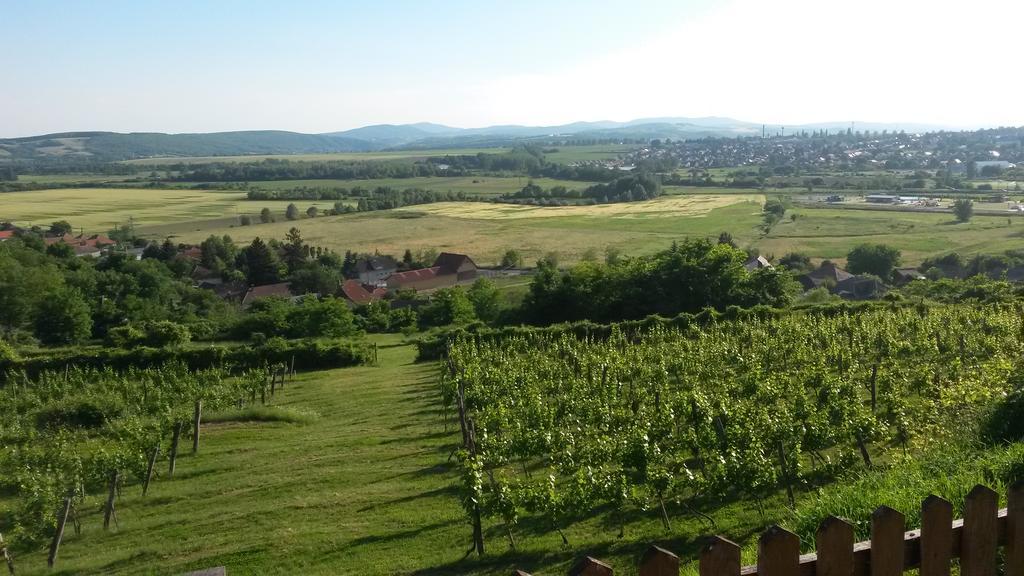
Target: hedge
{"x":309,"y":354}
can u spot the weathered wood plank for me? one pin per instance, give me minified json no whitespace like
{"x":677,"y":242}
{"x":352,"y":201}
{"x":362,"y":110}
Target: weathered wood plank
{"x":834,"y":545}
{"x":1015,"y":530}
{"x":719,"y":557}
{"x":778,"y":553}
{"x":887,"y":542}
{"x":936,"y":536}
{"x":979,"y":542}
{"x":590,"y":567}
{"x":657,"y":561}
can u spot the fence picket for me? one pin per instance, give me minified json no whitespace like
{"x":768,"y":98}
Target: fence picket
{"x":719,"y":557}
{"x":887,"y":527}
{"x":834,"y":543}
{"x":778,"y":553}
{"x":980,"y":537}
{"x":590,"y":567}
{"x":1015,"y":530}
{"x":659,"y":562}
{"x":936,"y":536}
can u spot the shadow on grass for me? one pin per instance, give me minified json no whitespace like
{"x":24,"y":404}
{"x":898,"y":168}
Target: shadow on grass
{"x":448,"y":491}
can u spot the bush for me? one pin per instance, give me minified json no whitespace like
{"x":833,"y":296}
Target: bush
{"x":7,"y":353}
{"x":79,"y":413}
{"x":1005,"y":423}
{"x":124,"y":337}
{"x":164,"y":333}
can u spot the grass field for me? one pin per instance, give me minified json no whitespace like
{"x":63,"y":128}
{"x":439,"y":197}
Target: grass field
{"x":100,"y":209}
{"x":486,"y":230}
{"x":363,"y":487}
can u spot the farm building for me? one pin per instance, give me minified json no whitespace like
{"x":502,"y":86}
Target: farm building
{"x":282,"y":289}
{"x":358,"y":294}
{"x":448,"y":270}
{"x":827,"y":273}
{"x":374,"y":270}
{"x":756,"y":263}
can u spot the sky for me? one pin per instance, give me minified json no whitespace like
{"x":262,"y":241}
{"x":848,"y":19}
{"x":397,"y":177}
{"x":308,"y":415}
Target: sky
{"x":320,"y":66}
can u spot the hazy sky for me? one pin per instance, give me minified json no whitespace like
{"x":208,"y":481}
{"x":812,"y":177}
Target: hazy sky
{"x":318,"y":66}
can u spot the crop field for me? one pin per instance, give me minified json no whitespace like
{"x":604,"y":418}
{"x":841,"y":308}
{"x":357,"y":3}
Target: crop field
{"x":570,"y":154}
{"x":100,"y":209}
{"x":486,"y":230}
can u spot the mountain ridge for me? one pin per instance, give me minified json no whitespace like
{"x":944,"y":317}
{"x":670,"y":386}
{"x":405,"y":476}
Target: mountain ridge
{"x":115,"y":146}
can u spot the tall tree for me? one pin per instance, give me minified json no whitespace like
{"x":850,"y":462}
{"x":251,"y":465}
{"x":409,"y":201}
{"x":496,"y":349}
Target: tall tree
{"x":259,"y":263}
{"x":877,"y":259}
{"x":963,"y":209}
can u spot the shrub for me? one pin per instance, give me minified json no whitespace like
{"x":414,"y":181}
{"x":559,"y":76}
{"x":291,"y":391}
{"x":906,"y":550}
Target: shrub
{"x":164,"y":333}
{"x":1005,"y":423}
{"x":124,"y":337}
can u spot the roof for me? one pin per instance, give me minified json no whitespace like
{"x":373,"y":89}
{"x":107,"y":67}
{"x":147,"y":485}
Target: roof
{"x":909,"y":273}
{"x":358,"y":294}
{"x":376,"y":263}
{"x":451,"y":262}
{"x":757,"y":262}
{"x":827,"y":271}
{"x":267,"y":290}
{"x":416,"y":275}
{"x":194,"y":252}
{"x":5,"y":234}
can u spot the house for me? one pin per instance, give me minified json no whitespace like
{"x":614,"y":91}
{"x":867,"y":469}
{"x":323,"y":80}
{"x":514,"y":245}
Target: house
{"x":358,"y":294}
{"x":827,"y":273}
{"x":6,"y":235}
{"x":282,"y":289}
{"x":374,"y":270}
{"x":82,"y":245}
{"x":192,"y":253}
{"x":449,"y":269}
{"x":903,"y":276}
{"x":859,"y":288}
{"x":756,"y":263}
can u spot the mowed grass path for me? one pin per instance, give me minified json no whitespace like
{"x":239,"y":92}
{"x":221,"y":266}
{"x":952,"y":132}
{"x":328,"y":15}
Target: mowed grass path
{"x":363,"y":489}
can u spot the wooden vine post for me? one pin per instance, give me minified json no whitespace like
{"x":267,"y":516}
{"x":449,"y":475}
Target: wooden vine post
{"x":149,"y":468}
{"x":197,"y":418}
{"x":470,"y":445}
{"x":173,"y":456}
{"x":8,"y":559}
{"x":108,"y":510}
{"x":62,"y":520}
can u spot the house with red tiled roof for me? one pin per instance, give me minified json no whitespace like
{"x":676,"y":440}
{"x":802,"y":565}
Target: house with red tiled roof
{"x":359,"y":294}
{"x":448,"y":270}
{"x":82,"y":245}
{"x":282,"y":289}
{"x":6,"y":235}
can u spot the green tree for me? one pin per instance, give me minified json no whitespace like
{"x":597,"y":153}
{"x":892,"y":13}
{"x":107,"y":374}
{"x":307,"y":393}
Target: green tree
{"x":486,"y":299}
{"x":291,"y":212}
{"x":315,"y":279}
{"x":63,"y":318}
{"x":295,"y":249}
{"x":265,"y":216}
{"x":245,"y":220}
{"x":448,"y":306}
{"x":877,"y":259}
{"x":511,"y":259}
{"x":60,"y":228}
{"x":311,"y":212}
{"x":259,"y":263}
{"x":963,"y":209}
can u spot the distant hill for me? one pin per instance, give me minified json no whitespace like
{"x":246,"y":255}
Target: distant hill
{"x":112,"y":146}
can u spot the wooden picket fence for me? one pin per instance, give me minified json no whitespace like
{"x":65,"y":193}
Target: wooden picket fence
{"x":975,"y":541}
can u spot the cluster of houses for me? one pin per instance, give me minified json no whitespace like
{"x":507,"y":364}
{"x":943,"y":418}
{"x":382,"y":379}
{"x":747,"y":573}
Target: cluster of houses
{"x":842,"y":283}
{"x":378,"y":277}
{"x":84,"y":246}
